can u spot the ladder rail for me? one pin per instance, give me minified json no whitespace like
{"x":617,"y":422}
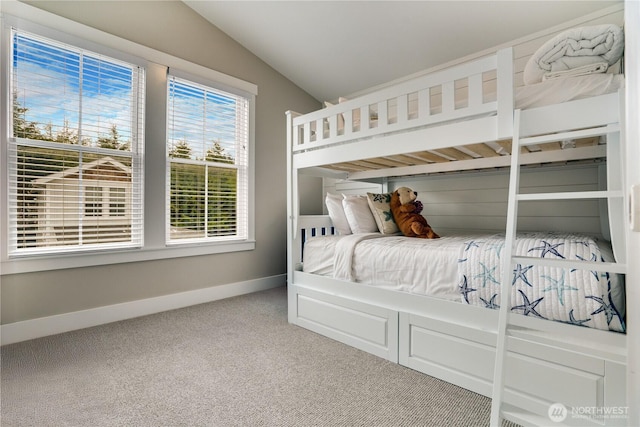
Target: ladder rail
{"x":571,"y":195}
{"x":505,"y":284}
{"x":498,"y":408}
{"x":573,"y":134}
{"x":601,"y":267}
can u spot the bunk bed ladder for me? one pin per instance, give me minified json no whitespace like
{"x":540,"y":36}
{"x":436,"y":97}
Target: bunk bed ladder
{"x":613,"y":193}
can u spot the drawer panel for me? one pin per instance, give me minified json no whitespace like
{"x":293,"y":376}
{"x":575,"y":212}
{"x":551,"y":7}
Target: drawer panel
{"x":543,"y":379}
{"x":451,"y":352}
{"x":553,"y":382}
{"x":369,"y":328}
{"x":365,"y":326}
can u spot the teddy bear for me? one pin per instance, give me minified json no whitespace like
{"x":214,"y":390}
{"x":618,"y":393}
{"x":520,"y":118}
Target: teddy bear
{"x":405,"y":212}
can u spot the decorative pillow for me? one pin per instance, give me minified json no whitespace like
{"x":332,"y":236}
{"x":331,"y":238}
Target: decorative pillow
{"x":336,"y":213}
{"x":381,"y":210}
{"x":356,"y":209}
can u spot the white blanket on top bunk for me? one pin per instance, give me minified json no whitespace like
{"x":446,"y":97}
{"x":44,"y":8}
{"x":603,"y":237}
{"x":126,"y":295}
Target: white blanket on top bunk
{"x":576,"y":48}
{"x":578,"y":297}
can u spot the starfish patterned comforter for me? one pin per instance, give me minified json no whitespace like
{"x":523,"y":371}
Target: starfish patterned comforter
{"x":467,"y":269}
{"x":579,"y":297}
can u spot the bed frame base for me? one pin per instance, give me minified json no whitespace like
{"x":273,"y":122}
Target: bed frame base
{"x":537,"y":374}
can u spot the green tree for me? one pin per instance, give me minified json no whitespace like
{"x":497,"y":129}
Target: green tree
{"x":66,"y":135}
{"x":48,"y":132}
{"x":216,"y":154}
{"x":113,"y":140}
{"x":21,"y":127}
{"x":181,"y":150}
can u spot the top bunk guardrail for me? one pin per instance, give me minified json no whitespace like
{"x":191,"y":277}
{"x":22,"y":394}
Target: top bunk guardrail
{"x":425,"y":101}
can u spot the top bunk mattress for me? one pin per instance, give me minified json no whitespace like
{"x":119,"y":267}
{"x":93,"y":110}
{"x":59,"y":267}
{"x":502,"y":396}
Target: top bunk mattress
{"x":559,"y":90}
{"x":466,"y":268}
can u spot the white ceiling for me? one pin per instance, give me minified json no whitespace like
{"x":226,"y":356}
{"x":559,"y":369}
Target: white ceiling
{"x":338,"y":48}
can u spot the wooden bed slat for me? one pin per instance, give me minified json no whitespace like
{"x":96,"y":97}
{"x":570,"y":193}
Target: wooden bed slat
{"x":587,"y":142}
{"x":387,"y":161}
{"x":430,"y":157}
{"x":350,"y":167}
{"x":550,"y":146}
{"x":455,"y":153}
{"x":506,"y":144}
{"x":407,"y":160}
{"x":483,"y":150}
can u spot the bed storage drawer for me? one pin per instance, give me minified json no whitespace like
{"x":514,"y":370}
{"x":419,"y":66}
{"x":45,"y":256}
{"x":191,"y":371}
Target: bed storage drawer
{"x":450,"y":352}
{"x":370,"y":328}
{"x":536,"y":375}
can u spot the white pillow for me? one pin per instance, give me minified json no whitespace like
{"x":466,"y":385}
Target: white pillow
{"x":336,"y":213}
{"x":381,"y":210}
{"x":358,"y":213}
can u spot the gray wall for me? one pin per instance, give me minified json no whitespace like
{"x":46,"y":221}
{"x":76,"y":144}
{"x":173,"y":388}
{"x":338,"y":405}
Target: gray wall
{"x":478,"y":200}
{"x":172,"y":27}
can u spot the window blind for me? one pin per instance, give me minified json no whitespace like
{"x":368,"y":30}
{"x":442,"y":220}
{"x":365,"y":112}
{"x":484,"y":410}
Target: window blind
{"x":207,"y":167}
{"x":75,"y":149}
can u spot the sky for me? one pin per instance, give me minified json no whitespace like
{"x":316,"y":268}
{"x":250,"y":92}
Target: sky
{"x":58,"y":83}
{"x":54,"y":81}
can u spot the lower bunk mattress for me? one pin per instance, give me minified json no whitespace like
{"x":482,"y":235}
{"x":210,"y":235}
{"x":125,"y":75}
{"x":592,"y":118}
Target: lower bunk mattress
{"x":467,"y":268}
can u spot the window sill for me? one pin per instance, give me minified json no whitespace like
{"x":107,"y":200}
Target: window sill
{"x":77,"y":260}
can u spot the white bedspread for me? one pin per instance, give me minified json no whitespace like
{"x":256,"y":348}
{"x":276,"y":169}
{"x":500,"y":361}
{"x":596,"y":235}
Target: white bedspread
{"x":343,"y":254}
{"x":419,"y":266}
{"x":441,"y":267}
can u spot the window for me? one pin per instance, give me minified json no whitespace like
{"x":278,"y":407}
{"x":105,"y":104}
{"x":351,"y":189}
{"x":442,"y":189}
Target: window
{"x":76,"y":129}
{"x":76,"y":179}
{"x":93,"y":201}
{"x":117,"y":199}
{"x":207,"y":166}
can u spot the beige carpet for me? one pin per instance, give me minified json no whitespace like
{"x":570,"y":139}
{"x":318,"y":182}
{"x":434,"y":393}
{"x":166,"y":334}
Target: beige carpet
{"x":235,"y":362}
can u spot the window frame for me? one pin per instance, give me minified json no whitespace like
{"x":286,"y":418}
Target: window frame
{"x":244,"y":170}
{"x":156,"y":64}
{"x":87,"y":207}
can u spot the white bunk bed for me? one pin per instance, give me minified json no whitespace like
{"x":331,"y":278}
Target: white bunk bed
{"x":463,"y":118}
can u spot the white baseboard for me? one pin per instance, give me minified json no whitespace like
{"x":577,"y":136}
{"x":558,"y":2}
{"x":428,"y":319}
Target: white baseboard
{"x":44,"y":326}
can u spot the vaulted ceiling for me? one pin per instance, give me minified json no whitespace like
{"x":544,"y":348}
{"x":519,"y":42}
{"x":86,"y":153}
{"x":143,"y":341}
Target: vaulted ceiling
{"x":338,"y":48}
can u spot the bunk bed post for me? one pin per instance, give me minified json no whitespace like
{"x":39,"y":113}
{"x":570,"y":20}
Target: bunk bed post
{"x":505,"y":97}
{"x":385,"y":185}
{"x":292,"y":213}
{"x":632,"y":136}
{"x":616,"y":182}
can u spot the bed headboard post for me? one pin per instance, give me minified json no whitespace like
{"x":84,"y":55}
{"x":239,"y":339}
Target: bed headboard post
{"x":505,"y":95}
{"x":617,"y":207}
{"x":292,"y":193}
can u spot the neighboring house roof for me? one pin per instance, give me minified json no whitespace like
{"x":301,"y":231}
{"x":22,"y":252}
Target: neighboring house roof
{"x":105,"y":168}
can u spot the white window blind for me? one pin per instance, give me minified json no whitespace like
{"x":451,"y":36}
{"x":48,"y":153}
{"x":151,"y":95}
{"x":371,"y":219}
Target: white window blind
{"x":75,"y":150}
{"x":207,"y":167}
